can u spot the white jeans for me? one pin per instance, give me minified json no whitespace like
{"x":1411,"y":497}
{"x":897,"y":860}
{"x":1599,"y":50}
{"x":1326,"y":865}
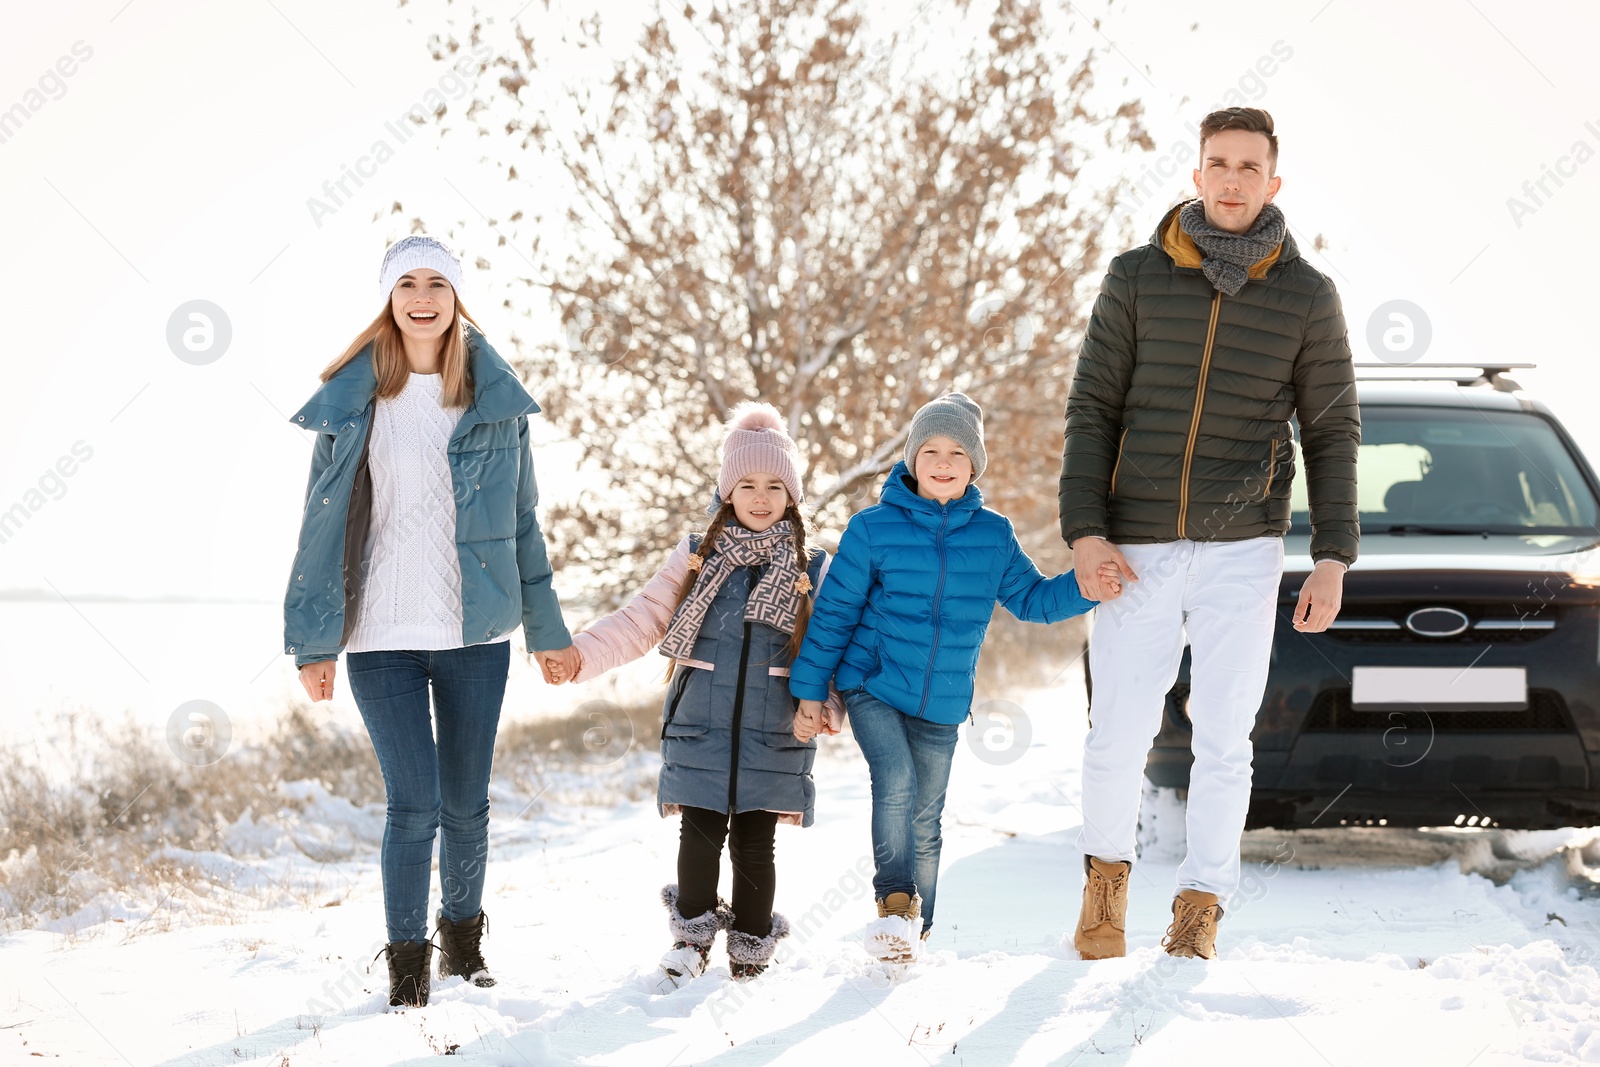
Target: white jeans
{"x":1224,"y":595}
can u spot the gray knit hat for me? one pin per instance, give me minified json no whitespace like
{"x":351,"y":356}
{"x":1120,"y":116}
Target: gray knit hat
{"x":956,"y":416}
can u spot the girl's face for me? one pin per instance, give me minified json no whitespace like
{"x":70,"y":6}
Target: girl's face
{"x":759,"y":501}
{"x":944,"y":470}
{"x":424,"y":305}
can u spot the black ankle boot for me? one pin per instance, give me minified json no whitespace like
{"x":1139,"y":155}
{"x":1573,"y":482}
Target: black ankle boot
{"x":409,"y":962}
{"x":461,"y":950}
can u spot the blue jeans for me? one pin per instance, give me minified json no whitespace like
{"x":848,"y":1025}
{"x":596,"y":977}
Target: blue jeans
{"x":909,"y":759}
{"x":432,"y":784}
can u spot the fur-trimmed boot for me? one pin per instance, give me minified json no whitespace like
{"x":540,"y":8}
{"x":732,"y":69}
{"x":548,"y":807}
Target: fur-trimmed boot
{"x":691,"y":942}
{"x":461,"y":950}
{"x":897,"y":933}
{"x":409,"y":963}
{"x":748,"y":955}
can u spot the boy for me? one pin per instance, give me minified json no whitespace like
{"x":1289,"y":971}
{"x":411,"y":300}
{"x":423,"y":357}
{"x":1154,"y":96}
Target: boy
{"x":898,"y":626}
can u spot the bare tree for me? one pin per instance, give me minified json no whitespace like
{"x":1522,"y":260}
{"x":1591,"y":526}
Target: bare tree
{"x":763,"y":200}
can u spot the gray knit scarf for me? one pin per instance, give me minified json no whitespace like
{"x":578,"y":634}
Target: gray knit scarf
{"x":1226,"y":258}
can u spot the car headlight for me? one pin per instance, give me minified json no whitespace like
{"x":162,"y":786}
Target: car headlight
{"x":1583,"y":567}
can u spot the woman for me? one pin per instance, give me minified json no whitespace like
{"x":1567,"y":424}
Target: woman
{"x":419,"y":554}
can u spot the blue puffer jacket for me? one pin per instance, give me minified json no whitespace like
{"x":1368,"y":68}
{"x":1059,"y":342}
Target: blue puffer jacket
{"x":909,"y":597}
{"x":505,"y":572}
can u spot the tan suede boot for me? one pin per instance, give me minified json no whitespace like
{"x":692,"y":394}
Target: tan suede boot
{"x":1194,"y":925}
{"x":1103,"y":923}
{"x":894,"y":937}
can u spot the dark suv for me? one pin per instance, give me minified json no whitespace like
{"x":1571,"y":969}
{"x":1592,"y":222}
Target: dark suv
{"x":1460,"y":684}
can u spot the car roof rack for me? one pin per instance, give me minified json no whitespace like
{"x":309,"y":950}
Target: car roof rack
{"x":1481,"y":372}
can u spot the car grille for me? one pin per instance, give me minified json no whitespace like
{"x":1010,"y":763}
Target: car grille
{"x":1547,"y":713}
{"x":1498,"y":623}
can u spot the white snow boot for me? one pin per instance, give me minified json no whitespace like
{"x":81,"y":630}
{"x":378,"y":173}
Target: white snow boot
{"x":748,"y":955}
{"x":897,"y":934}
{"x":691,"y":942}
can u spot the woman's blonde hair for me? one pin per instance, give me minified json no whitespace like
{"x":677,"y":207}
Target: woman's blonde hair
{"x":389,"y":356}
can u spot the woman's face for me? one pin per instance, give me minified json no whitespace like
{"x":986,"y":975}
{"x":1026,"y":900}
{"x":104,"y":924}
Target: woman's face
{"x":759,"y":501}
{"x":424,"y":305}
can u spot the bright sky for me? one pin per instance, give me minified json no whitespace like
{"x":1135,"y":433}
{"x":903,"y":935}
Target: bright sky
{"x":175,"y":161}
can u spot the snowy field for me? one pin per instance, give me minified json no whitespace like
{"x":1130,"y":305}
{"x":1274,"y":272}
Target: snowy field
{"x":1357,"y":948}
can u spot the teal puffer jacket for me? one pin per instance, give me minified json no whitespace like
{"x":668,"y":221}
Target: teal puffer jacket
{"x":505,"y":571}
{"x":909,"y":597}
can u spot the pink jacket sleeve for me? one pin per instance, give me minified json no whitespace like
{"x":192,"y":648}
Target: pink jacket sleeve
{"x":636,"y":627}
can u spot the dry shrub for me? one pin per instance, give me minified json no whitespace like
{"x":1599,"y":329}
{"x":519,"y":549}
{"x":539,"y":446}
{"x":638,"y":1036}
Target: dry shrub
{"x":113,"y":808}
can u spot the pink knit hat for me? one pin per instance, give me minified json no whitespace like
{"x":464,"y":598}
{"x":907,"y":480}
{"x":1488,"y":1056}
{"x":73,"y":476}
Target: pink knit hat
{"x":758,"y":441}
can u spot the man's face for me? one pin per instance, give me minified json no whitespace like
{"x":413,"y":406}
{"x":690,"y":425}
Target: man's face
{"x":1235,"y":179}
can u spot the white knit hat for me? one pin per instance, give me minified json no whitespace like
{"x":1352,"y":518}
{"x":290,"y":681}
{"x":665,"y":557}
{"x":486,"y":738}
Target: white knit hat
{"x":410,"y":253}
{"x":758,"y":441}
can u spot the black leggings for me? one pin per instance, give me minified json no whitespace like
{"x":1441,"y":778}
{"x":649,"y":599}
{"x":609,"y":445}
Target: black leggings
{"x":755,"y":876}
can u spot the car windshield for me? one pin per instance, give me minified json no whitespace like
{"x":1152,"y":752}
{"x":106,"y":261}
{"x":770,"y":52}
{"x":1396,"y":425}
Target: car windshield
{"x":1429,"y":469}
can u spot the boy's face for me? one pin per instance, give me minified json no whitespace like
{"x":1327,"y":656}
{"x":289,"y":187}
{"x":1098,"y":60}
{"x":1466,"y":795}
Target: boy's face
{"x":944,"y":470}
{"x":758,"y":501}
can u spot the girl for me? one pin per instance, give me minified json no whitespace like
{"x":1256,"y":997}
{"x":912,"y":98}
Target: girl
{"x":419,"y":555}
{"x":899,"y":627}
{"x":729,"y":609}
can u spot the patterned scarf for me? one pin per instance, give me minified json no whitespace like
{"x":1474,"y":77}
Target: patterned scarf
{"x":775,"y":600}
{"x":1226,"y":258}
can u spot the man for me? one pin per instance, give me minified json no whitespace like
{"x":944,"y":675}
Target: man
{"x":1177,"y":468}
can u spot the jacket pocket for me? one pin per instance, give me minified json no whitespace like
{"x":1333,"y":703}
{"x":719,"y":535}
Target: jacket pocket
{"x":484,"y":492}
{"x":1272,"y":469}
{"x":1117,"y":466}
{"x":877,"y":661}
{"x":779,"y":707}
{"x":669,"y":717}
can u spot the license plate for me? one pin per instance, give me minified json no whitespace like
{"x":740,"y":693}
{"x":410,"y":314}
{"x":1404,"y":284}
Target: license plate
{"x":1439,"y":689}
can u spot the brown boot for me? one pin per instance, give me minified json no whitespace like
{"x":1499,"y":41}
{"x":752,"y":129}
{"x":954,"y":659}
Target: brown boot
{"x":1103,"y":923}
{"x":898,"y":931}
{"x":1194,"y":925}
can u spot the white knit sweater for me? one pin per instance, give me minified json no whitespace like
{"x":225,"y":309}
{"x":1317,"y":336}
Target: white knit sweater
{"x":411,"y":596}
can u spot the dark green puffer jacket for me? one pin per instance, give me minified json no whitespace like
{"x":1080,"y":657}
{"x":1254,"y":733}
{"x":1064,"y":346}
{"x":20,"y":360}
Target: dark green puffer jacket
{"x":1178,"y":418}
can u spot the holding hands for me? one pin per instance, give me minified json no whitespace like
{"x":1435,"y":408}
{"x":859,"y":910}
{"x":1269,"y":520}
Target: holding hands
{"x":1111,"y":579}
{"x":1100,"y":567}
{"x":811,"y":718}
{"x":560,"y":665}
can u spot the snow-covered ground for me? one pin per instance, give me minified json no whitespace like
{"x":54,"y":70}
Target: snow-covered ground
{"x":1360,"y":948}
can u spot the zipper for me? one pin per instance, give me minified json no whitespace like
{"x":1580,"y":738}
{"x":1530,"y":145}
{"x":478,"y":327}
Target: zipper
{"x":1272,"y":469}
{"x":938,"y":595}
{"x":738,"y":707}
{"x":1121,"y":441}
{"x":1194,"y":423}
